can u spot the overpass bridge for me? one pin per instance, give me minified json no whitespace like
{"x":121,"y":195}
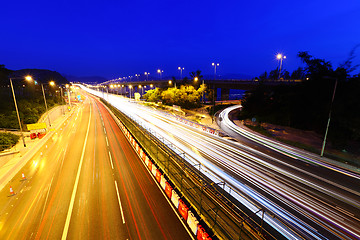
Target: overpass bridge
{"x":125,"y":87}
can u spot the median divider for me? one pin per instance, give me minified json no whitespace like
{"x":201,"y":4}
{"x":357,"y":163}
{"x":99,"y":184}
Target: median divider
{"x":180,"y":204}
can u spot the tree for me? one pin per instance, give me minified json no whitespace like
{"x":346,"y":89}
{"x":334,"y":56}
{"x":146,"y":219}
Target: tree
{"x":4,"y":75}
{"x":196,"y":74}
{"x":348,"y":64}
{"x":298,"y":74}
{"x":263,"y":76}
{"x":274,"y":74}
{"x":316,"y":68}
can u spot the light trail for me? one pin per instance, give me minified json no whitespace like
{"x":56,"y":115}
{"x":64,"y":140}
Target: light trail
{"x":256,"y":181}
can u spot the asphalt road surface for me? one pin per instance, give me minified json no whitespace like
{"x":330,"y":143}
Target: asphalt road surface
{"x":87,"y":183}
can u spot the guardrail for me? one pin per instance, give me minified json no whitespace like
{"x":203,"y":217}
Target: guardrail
{"x":224,"y":215}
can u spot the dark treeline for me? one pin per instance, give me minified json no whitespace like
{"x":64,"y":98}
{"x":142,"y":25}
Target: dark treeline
{"x":306,"y":105}
{"x":29,"y":96}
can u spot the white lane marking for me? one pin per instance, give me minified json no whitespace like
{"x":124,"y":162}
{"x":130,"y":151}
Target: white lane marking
{"x":67,"y":223}
{"x":47,"y":195}
{"x":107,"y":142}
{"x":62,"y":161}
{"x":105,"y":130}
{"x":112,"y":166}
{"x":118,"y":195}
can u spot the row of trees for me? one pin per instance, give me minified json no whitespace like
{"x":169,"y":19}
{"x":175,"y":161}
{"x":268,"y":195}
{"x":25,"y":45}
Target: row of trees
{"x":187,"y":96}
{"x":306,"y":105}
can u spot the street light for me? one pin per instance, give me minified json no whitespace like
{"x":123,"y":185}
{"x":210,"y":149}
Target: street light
{"x":137,"y":76}
{"x":180,"y":69}
{"x":68,"y":90}
{"x":215,"y":65}
{"x":160,"y":72}
{"x":142,"y":89}
{"x":17,"y":111}
{"x":62,"y":99}
{"x":29,"y":78}
{"x":130,"y":87}
{"x":329,"y":118}
{"x":147,"y":75}
{"x":280,"y":57}
{"x":196,"y":79}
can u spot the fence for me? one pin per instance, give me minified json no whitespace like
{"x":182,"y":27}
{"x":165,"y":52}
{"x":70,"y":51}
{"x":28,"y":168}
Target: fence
{"x":224,"y":216}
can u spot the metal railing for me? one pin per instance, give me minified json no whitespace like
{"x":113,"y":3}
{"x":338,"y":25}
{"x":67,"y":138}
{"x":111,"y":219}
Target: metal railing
{"x":224,"y":215}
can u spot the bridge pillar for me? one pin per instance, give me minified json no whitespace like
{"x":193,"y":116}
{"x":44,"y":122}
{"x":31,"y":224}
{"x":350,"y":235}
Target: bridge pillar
{"x":225,"y":93}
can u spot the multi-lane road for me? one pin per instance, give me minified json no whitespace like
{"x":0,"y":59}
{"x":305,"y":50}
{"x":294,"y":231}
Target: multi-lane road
{"x":302,"y":198}
{"x":87,"y":182}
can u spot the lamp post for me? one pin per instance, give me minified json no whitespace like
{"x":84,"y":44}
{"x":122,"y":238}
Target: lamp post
{"x":130,"y":87}
{"x":142,"y":89}
{"x":147,"y":75}
{"x":180,"y":69}
{"x":202,"y":97}
{"x":68,"y":91}
{"x":62,"y":99}
{"x":52,"y":83}
{"x":214,"y":65}
{"x":280,"y":57}
{"x":328,"y":122}
{"x":47,"y":113}
{"x":160,"y":72}
{"x":17,"y":113}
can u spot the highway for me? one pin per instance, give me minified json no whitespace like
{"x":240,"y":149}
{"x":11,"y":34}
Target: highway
{"x":303,"y":198}
{"x":87,"y":182}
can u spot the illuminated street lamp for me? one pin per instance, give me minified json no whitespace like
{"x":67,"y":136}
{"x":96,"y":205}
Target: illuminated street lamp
{"x":151,"y":86}
{"x":17,"y":111}
{"x":137,"y":76}
{"x":141,"y":89}
{"x":180,"y":69}
{"x":160,"y":72}
{"x":215,"y":65}
{"x":52,"y":83}
{"x":280,"y":57}
{"x":170,"y":82}
{"x":68,"y":90}
{"x":147,"y":75}
{"x":196,"y":79}
{"x":130,"y":87}
{"x":62,"y":99}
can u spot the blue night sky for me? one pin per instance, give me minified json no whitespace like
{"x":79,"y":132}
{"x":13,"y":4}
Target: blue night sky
{"x":112,"y":38}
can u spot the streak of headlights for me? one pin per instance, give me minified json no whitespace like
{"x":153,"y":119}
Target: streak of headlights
{"x":221,"y":157}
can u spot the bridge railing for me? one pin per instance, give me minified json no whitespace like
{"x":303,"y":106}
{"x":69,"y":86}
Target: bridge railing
{"x":225,"y":216}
